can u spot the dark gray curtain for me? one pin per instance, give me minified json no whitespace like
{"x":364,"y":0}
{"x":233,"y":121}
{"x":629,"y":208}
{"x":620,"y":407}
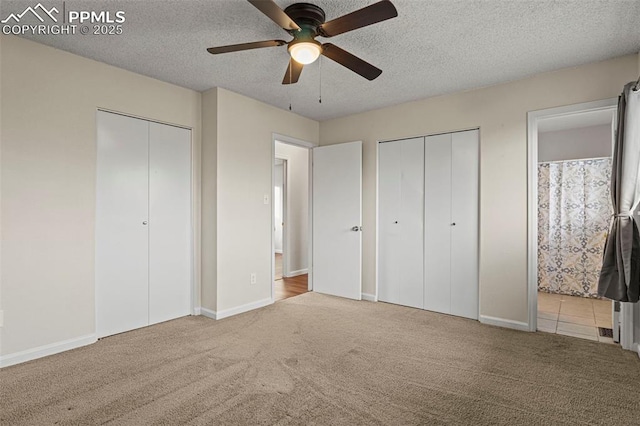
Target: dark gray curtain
{"x":620,"y":275}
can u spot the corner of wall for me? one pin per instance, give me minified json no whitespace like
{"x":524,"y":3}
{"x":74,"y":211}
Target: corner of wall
{"x":209,"y":196}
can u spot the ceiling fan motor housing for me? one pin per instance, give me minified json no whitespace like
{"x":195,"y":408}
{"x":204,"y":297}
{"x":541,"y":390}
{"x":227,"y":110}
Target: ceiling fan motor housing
{"x":308,"y":17}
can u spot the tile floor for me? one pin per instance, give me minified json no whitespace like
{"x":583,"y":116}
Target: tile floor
{"x":574,"y":316}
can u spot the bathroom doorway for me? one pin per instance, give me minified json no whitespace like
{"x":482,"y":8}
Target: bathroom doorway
{"x":572,"y":206}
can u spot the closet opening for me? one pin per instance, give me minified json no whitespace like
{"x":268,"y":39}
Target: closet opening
{"x":291,"y":218}
{"x":571,"y":199}
{"x":144,"y":234}
{"x":428,"y":198}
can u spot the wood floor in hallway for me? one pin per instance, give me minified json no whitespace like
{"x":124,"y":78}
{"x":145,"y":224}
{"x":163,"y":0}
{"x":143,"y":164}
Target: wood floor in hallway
{"x":289,"y":287}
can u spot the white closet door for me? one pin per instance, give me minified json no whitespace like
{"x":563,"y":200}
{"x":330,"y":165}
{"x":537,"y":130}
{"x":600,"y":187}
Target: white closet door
{"x":437,"y":223}
{"x":389,"y":200}
{"x":411,"y":253}
{"x":464,"y":235}
{"x":121,"y":232}
{"x":169,"y":222}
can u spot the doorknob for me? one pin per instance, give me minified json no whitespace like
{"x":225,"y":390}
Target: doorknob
{"x":356,"y":228}
{"x":144,"y":222}
{"x":453,"y":224}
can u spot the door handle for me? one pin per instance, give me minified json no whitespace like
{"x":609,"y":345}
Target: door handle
{"x":356,"y":228}
{"x":145,"y":222}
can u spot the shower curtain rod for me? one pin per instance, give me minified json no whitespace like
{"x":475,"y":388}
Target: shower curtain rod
{"x":577,"y":159}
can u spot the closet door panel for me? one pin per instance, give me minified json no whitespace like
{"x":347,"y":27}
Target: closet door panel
{"x":464,"y":235}
{"x":169,"y":222}
{"x":437,"y":223}
{"x":411,"y":224}
{"x":389,"y":200}
{"x":121,"y":235}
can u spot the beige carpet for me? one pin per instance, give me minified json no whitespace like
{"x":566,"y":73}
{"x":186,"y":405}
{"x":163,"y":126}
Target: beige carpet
{"x":316,"y":359}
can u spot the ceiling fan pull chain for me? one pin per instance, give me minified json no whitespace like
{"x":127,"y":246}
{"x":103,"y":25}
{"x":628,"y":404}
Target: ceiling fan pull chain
{"x":290,"y":72}
{"x":320,"y":69}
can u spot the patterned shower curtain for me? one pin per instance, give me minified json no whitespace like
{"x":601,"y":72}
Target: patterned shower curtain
{"x":574,"y":214}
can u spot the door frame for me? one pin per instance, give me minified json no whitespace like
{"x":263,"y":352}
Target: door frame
{"x":289,"y":140}
{"x":285,"y":186}
{"x":533,"y":119}
{"x":194,"y":196}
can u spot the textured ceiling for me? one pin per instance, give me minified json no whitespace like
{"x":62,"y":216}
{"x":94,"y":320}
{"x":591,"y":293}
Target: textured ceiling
{"x":432,"y":48}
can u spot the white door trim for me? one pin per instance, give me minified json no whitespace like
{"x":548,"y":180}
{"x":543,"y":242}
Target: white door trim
{"x":533,"y":118}
{"x":276,"y":137}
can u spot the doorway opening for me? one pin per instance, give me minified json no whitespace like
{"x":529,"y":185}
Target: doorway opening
{"x":570,"y":151}
{"x":291,"y":219}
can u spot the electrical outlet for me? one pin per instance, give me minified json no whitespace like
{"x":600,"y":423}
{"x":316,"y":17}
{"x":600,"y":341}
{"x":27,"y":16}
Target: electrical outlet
{"x":253,"y":278}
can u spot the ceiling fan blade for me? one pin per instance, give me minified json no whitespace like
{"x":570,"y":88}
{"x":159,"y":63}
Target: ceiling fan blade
{"x":277,"y":15}
{"x":245,"y":46}
{"x":294,"y":69}
{"x":372,"y":14}
{"x":350,"y":61}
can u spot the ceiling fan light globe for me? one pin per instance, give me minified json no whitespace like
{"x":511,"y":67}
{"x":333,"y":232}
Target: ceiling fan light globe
{"x":305,"y":52}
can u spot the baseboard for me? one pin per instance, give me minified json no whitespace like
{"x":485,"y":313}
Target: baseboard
{"x":636,"y":348}
{"x":297,"y":273}
{"x":235,"y":311}
{"x":208,"y":313}
{"x":505,"y":323}
{"x":197,"y":311}
{"x":46,"y":350}
{"x":244,"y":308}
{"x":369,"y":297}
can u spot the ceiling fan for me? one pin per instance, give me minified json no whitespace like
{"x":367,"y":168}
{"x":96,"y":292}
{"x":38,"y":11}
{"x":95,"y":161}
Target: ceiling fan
{"x":304,"y":22}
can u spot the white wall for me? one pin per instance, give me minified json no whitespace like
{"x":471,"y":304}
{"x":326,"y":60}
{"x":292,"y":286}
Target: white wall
{"x":244,"y":162}
{"x":297,"y":206}
{"x":501,"y":114}
{"x":278,"y":204}
{"x":1,"y":305}
{"x":574,"y":144}
{"x":209,"y":247}
{"x":48,"y":173}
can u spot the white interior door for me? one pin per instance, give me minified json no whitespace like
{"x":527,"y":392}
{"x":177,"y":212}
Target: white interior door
{"x":401,"y":204}
{"x":337,"y":220}
{"x":437,"y":223}
{"x":464,"y":235}
{"x":169,"y":222}
{"x":411,"y":256}
{"x":121,"y":230}
{"x":389,"y":239}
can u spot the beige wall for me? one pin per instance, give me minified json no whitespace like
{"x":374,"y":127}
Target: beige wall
{"x":297,"y":225}
{"x":1,"y":305}
{"x":49,"y":102}
{"x":209,"y":198}
{"x":501,"y":114}
{"x":245,"y":129}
